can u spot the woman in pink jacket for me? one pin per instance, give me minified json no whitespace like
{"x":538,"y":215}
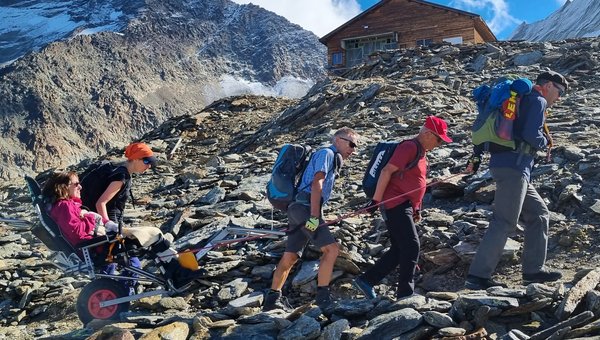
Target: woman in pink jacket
{"x":77,"y":225}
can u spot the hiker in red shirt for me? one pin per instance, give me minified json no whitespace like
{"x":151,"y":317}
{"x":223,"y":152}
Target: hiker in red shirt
{"x":404,"y":187}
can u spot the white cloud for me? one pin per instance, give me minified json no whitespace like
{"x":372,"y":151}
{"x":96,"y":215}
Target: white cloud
{"x":497,"y":10}
{"x":318,"y":16}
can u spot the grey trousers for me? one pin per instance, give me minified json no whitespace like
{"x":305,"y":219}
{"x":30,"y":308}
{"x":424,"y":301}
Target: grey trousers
{"x":514,"y":198}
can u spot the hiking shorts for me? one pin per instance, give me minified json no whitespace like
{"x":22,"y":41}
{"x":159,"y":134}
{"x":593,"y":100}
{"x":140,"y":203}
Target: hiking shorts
{"x":298,"y":236}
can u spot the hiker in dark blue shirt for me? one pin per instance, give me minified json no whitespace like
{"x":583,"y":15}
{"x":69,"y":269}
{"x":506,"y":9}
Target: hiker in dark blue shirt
{"x":305,"y":219}
{"x":515,"y":198}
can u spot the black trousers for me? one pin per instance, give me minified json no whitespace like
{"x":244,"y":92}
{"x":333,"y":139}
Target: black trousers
{"x":404,"y":252}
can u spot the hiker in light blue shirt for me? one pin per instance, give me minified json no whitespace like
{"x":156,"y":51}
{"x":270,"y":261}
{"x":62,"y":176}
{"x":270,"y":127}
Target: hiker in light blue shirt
{"x":305,"y":219}
{"x":322,"y":161}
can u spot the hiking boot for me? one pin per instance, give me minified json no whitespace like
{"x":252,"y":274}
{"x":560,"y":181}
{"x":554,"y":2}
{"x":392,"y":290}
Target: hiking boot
{"x":544,"y":275}
{"x":180,"y":276}
{"x":323,"y":298}
{"x":362,"y":285}
{"x":478,"y":283}
{"x":186,"y":276}
{"x":274,"y":300}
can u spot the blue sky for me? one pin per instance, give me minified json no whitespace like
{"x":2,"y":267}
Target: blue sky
{"x":503,"y":16}
{"x":323,"y":16}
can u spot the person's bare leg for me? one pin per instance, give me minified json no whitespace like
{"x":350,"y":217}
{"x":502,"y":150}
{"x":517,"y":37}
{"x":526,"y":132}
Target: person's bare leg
{"x":283,"y":270}
{"x":330,"y":254}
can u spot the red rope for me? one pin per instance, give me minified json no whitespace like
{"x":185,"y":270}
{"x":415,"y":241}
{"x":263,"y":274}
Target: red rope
{"x":364,"y":209}
{"x":327,"y":223}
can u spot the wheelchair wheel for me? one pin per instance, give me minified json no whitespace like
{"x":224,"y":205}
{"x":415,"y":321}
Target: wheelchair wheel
{"x":104,"y":289}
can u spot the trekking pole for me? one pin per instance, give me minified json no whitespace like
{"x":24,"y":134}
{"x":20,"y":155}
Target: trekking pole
{"x":549,"y":138}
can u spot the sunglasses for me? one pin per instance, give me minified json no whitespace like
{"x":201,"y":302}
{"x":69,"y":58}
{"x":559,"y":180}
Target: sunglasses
{"x":350,"y":142}
{"x":560,"y":91}
{"x":146,"y":161}
{"x":75,"y":184}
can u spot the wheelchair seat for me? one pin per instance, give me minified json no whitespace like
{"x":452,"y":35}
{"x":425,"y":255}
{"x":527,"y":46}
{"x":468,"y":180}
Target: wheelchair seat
{"x":67,"y":257}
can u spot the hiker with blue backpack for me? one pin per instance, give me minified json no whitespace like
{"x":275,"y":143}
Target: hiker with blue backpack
{"x":401,"y":185}
{"x":305,"y":215}
{"x":510,"y":165}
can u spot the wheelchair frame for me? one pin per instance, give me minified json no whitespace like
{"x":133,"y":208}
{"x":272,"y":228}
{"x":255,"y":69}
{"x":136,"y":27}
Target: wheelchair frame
{"x":66,"y":257}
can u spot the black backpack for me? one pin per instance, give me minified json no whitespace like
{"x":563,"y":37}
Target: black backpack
{"x":381,"y":156}
{"x":94,"y":181}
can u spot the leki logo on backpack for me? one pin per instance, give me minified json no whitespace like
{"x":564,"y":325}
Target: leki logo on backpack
{"x":497,"y":110}
{"x":509,"y":107}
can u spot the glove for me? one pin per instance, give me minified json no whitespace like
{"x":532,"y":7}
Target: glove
{"x":111,"y":226}
{"x":372,"y":206}
{"x":312,"y":224}
{"x":101,"y":231}
{"x":473,"y":164}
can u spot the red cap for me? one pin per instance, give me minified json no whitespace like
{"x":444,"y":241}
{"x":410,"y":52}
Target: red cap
{"x":439,"y":127}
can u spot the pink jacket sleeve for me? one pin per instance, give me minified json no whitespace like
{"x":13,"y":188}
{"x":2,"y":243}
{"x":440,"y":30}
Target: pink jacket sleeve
{"x":66,"y":213}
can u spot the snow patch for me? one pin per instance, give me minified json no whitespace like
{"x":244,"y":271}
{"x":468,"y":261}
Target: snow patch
{"x":576,"y":18}
{"x":94,"y":30}
{"x":287,"y":86}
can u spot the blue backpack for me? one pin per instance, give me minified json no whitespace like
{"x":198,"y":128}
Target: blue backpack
{"x":381,"y":156}
{"x":287,"y":172}
{"x":497,"y":109}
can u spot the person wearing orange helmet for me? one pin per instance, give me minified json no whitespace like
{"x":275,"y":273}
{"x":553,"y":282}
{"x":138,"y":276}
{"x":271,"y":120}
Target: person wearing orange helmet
{"x":107,"y":189}
{"x":111,"y":203}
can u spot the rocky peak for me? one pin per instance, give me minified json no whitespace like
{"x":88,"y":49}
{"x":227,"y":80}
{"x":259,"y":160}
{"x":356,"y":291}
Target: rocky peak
{"x":575,"y":19}
{"x":28,"y":26}
{"x":82,"y":95}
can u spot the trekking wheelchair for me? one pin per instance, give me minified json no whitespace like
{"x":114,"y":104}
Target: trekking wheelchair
{"x":106,"y":296}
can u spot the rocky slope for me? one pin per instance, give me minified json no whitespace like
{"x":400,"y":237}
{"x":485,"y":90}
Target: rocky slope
{"x":575,"y":19}
{"x":78,"y":97}
{"x":216,"y":162}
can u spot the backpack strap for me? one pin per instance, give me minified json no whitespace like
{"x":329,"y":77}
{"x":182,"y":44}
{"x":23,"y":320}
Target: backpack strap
{"x":415,"y":161}
{"x":420,"y":153}
{"x":337,"y":163}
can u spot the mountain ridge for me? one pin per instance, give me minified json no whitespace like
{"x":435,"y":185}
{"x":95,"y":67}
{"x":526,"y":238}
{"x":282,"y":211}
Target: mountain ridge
{"x":574,"y":19}
{"x":80,"y":96}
